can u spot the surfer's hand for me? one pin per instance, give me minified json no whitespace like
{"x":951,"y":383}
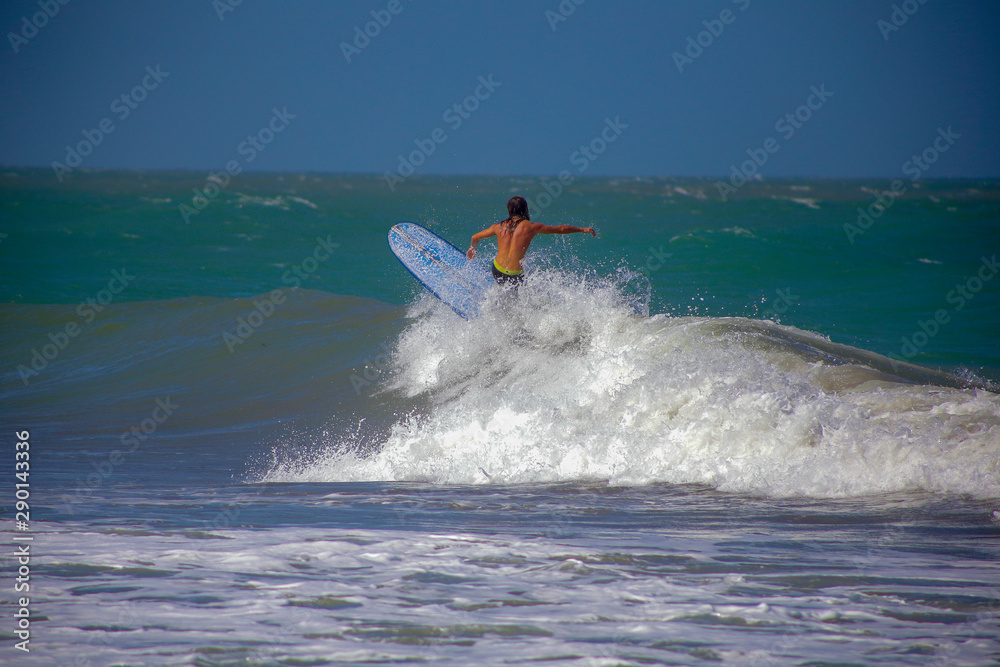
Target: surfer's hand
{"x":590,"y":230}
{"x":470,"y":253}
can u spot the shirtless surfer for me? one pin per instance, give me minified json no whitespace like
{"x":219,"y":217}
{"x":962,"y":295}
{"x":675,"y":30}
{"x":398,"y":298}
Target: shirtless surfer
{"x":513,"y":238}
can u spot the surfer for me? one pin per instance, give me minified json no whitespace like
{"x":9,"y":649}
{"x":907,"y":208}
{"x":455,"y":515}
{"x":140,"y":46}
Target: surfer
{"x":513,"y":238}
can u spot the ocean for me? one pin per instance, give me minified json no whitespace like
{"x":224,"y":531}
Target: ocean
{"x":759,"y":429}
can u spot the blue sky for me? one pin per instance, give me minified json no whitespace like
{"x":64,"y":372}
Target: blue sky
{"x":222,"y":78}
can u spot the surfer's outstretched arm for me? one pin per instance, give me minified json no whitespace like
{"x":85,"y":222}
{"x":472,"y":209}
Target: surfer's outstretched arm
{"x":565,"y":229}
{"x":479,"y":236}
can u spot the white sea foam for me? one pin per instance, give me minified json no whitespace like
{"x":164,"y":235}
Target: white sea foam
{"x":565,"y":382}
{"x":315,"y":595}
{"x":805,"y":201}
{"x":304,"y":202}
{"x":276,"y":202}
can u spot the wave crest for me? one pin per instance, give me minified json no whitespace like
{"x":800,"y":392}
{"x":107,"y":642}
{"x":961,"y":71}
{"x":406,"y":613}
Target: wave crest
{"x":566,"y":381}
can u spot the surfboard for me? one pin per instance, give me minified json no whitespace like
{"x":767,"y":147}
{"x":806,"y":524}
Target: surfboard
{"x":441,"y":267}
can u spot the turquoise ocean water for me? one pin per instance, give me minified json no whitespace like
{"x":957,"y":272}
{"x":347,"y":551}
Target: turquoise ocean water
{"x":754,"y":431}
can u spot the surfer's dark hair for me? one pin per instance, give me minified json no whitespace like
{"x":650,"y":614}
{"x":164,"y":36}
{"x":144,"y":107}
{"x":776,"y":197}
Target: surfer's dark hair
{"x":517,"y":207}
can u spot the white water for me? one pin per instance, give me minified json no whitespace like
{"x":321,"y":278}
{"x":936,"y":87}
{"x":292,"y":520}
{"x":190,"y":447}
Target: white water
{"x":567,"y":383}
{"x":671,"y":595}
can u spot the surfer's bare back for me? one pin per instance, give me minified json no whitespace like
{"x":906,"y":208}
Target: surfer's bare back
{"x":513,"y":238}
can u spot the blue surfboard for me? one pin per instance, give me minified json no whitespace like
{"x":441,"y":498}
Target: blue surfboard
{"x":441,"y":268}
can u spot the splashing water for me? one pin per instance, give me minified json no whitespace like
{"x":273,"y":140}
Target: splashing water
{"x":570,"y":380}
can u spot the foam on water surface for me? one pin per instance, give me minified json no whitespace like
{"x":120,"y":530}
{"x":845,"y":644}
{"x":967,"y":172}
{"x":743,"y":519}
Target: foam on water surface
{"x":666,"y":577}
